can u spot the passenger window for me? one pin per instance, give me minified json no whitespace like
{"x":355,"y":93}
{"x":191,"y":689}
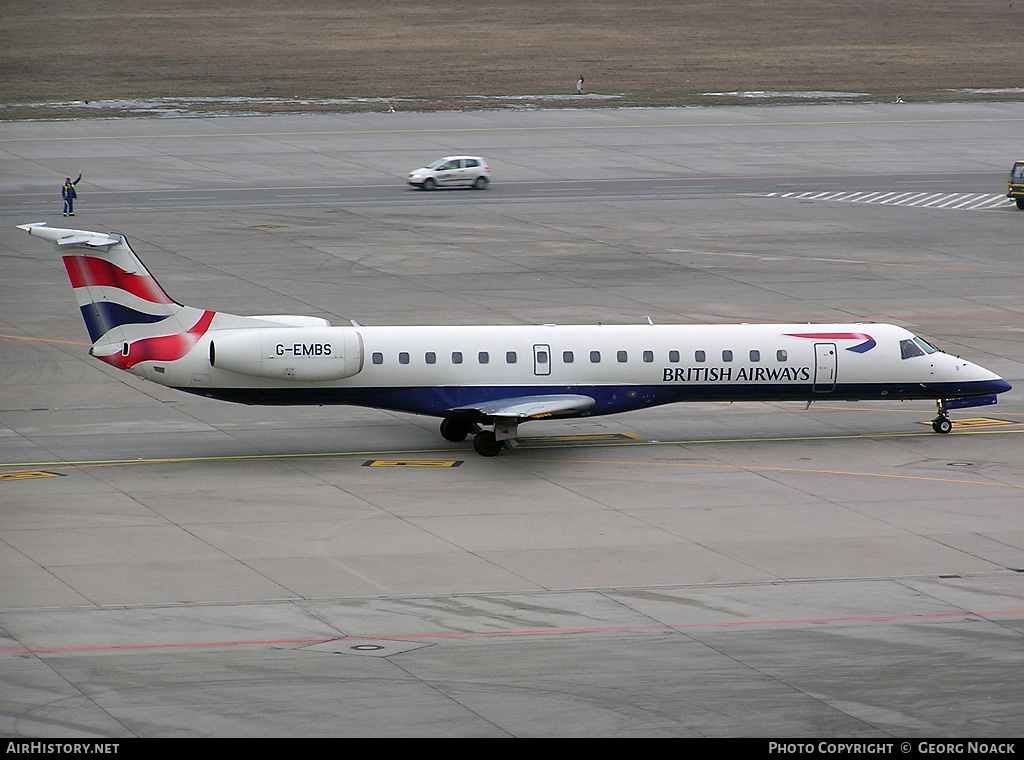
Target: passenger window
{"x":648,"y":356}
{"x":542,"y":357}
{"x":510,"y":357}
{"x":755,"y":356}
{"x":727,"y":356}
{"x":483,"y":357}
{"x":620,"y":356}
{"x":377,"y":357}
{"x":698,"y":356}
{"x":456,"y":357}
{"x":567,"y":357}
{"x":673,"y":356}
{"x":430,"y":357}
{"x":781,"y":355}
{"x":403,"y":357}
{"x":595,"y":357}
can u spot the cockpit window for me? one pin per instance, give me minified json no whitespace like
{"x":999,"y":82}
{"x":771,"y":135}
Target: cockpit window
{"x":928,"y":347}
{"x":916,"y":346}
{"x":910,"y":349}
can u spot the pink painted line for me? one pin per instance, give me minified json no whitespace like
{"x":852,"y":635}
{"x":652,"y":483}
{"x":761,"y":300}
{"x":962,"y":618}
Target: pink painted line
{"x":524,"y":632}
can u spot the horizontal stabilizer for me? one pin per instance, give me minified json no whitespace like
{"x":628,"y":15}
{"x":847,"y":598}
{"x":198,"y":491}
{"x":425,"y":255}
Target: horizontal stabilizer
{"x":63,"y":237}
{"x":530,"y":407}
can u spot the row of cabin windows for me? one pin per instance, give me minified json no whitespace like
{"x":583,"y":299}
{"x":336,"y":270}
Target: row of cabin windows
{"x":568,"y":357}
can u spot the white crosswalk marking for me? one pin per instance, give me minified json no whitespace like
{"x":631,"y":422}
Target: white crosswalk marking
{"x":958,"y":201}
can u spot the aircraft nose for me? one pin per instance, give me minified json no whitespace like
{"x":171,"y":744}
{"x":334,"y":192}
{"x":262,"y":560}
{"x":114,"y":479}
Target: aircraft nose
{"x":1000,"y":386}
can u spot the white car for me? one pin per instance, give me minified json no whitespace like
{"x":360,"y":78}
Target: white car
{"x":453,"y":171}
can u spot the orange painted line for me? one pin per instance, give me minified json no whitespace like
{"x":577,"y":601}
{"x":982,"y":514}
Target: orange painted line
{"x":24,"y":339}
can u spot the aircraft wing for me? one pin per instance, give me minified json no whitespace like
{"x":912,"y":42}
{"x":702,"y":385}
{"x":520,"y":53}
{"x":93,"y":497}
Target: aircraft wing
{"x":529,"y":407}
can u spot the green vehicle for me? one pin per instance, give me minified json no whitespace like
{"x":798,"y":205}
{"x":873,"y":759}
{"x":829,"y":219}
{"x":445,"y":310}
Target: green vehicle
{"x":1015,"y":187}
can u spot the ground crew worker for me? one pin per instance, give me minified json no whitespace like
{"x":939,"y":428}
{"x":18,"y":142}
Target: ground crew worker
{"x":68,"y":193}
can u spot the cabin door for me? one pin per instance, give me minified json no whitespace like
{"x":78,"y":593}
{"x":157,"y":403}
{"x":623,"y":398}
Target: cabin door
{"x":824,"y":367}
{"x":541,"y":360}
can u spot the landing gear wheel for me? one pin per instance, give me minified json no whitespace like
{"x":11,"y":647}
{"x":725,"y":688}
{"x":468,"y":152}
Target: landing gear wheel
{"x":480,"y":183}
{"x":429,"y":184}
{"x":486,"y":445}
{"x":455,"y":430}
{"x":942,"y":425}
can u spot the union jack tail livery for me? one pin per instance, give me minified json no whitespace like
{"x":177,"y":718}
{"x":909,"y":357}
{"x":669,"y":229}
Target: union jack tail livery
{"x":486,"y":380}
{"x":129,"y":317}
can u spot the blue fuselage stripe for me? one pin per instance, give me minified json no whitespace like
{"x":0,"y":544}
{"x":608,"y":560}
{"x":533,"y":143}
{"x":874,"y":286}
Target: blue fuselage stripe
{"x":609,"y":399}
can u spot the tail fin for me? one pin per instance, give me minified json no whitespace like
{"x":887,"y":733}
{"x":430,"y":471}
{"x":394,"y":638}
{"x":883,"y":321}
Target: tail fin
{"x":129,"y":316}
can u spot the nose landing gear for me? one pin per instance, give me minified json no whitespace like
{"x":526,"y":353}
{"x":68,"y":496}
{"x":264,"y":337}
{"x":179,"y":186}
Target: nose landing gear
{"x":942,"y":423}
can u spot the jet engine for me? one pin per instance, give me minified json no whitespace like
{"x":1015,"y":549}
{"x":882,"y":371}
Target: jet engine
{"x":289,"y":353}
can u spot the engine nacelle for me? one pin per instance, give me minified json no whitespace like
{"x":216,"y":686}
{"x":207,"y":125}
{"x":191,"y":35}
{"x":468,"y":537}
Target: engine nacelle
{"x":289,"y":353}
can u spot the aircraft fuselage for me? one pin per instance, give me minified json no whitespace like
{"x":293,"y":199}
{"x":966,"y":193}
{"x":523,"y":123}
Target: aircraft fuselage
{"x":431,"y":370}
{"x":499,"y":376}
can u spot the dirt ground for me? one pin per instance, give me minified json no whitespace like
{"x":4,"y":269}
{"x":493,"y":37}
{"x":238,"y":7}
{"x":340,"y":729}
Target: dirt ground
{"x":302,"y":55}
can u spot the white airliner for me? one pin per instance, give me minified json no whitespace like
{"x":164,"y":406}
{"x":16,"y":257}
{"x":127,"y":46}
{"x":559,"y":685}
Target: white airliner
{"x":486,"y":380}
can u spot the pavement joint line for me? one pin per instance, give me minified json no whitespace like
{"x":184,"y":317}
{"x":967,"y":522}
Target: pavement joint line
{"x":545,"y":128}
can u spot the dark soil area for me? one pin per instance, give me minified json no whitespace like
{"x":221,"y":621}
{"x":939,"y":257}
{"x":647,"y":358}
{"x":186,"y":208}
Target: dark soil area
{"x":303,"y":55}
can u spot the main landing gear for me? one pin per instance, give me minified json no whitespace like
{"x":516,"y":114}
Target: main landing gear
{"x":942,"y":423}
{"x":457,"y":431}
{"x":486,"y":443}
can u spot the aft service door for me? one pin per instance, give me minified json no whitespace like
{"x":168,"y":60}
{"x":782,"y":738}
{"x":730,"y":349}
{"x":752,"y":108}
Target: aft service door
{"x":824,"y":367}
{"x":542,"y":360}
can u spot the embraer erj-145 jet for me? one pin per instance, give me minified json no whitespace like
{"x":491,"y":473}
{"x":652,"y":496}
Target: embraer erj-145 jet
{"x":486,"y":380}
